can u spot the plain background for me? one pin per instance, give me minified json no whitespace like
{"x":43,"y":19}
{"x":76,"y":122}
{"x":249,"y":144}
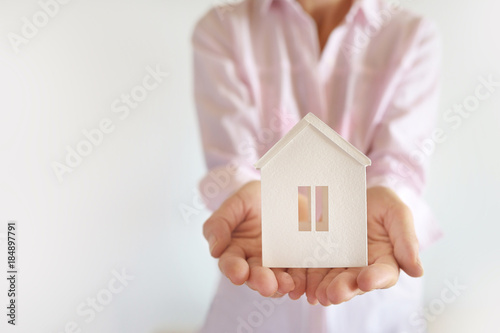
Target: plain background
{"x":121,"y":207}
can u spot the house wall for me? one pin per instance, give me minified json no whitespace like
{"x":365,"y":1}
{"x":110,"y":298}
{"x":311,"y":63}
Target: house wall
{"x":312,"y":159}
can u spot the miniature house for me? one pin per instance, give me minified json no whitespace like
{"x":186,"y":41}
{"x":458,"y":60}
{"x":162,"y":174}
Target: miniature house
{"x":314,"y":164}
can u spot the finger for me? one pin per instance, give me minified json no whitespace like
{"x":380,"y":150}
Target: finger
{"x":299,"y":278}
{"x":379,"y":275}
{"x":323,"y":285}
{"x":344,"y":286}
{"x":232,"y":264}
{"x":285,"y":282}
{"x":261,"y":279}
{"x":399,"y":224}
{"x":314,"y":278}
{"x":218,"y":228}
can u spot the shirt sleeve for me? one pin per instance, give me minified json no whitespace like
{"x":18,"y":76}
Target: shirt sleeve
{"x":405,"y":137}
{"x":227,"y":114}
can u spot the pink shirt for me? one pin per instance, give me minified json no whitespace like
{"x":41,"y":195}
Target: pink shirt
{"x":258,"y":70}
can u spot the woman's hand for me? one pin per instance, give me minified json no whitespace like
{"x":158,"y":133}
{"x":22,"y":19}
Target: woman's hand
{"x":234,"y":236}
{"x":392,"y":244}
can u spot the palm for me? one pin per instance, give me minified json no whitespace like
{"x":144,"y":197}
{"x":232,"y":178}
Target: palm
{"x":247,"y":236}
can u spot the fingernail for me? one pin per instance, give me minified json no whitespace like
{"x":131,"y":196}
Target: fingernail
{"x":312,"y":301}
{"x":277,"y":295}
{"x":212,"y":241}
{"x":419,"y":262}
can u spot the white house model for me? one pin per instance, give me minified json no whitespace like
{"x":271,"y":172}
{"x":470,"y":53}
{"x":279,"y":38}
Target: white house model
{"x":315,"y":165}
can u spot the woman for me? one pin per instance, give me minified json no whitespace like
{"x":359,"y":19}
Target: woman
{"x":370,"y":71}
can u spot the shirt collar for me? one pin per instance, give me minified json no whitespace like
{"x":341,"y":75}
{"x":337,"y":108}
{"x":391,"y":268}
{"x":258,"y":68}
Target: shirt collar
{"x":368,"y":7}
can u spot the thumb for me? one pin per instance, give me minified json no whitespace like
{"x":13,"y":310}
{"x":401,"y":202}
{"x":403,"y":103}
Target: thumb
{"x":399,"y":224}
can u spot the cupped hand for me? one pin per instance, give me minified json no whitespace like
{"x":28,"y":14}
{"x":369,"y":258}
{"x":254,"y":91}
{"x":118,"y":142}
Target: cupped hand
{"x":392,"y":244}
{"x":234,"y":236}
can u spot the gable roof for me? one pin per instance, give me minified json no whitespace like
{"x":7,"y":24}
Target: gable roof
{"x":311,"y":120}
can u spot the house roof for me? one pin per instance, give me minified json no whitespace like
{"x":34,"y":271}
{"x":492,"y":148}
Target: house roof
{"x":311,"y":120}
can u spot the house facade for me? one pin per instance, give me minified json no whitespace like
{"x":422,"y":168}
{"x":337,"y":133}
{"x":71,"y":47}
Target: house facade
{"x":316,"y":164}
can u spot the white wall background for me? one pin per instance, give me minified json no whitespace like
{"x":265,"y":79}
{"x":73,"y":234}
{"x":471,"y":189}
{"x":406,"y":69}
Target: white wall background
{"x":120,"y":208}
{"x":465,"y":174}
